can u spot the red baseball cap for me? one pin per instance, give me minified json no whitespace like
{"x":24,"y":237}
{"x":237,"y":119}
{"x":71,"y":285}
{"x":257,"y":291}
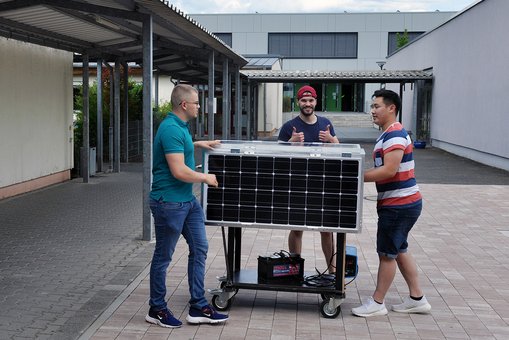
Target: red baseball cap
{"x":305,"y":91}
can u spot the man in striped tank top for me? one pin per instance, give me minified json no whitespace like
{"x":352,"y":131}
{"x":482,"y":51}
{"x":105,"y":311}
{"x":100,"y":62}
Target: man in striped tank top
{"x":399,"y":205}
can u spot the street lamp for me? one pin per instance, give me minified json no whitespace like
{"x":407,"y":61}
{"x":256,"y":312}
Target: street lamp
{"x":381,"y":64}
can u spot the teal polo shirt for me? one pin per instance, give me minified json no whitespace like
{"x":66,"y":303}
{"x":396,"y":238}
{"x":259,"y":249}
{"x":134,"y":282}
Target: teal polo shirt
{"x":172,"y":137}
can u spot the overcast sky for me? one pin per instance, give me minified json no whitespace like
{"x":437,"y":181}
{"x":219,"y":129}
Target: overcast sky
{"x":316,"y":6}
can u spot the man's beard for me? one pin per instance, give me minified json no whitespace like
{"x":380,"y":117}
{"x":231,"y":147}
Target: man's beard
{"x":306,"y":113}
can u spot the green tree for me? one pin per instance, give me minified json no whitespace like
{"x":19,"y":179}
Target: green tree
{"x":402,"y":39}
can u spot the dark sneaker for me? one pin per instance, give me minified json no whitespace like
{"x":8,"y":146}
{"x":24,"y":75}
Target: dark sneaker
{"x":163,"y":318}
{"x":205,"y":315}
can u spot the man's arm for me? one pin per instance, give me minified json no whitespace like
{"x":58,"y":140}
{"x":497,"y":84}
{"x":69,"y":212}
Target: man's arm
{"x":392,"y":160}
{"x":327,"y":137}
{"x":183,"y":173}
{"x":207,"y":144}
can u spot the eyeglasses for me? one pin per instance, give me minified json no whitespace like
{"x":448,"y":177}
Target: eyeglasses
{"x":195,"y":103}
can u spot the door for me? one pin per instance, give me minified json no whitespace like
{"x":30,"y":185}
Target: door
{"x":333,"y":97}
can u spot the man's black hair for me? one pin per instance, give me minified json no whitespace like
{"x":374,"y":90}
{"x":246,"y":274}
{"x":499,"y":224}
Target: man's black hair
{"x":389,"y":97}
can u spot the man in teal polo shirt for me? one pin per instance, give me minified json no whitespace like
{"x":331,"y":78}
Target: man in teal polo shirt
{"x":177,"y":212}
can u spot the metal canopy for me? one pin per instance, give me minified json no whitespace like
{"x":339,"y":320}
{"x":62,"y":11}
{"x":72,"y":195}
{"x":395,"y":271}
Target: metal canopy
{"x":112,"y":30}
{"x":384,"y":76}
{"x":149,"y":32}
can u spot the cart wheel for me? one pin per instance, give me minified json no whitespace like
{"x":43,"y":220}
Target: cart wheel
{"x":223,"y":286}
{"x":327,"y":311}
{"x":220,"y":304}
{"x":326,"y":296}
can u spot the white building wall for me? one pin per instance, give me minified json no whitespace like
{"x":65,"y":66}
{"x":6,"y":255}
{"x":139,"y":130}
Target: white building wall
{"x":250,"y":33}
{"x":36,"y":115}
{"x":471,"y":77}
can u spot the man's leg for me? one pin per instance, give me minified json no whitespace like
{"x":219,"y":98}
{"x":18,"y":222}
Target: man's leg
{"x":408,"y":269}
{"x":168,"y":221}
{"x":328,"y":250}
{"x":295,"y":241}
{"x":386,"y":273}
{"x":196,"y":237}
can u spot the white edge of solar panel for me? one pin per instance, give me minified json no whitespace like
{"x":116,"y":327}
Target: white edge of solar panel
{"x":306,"y":149}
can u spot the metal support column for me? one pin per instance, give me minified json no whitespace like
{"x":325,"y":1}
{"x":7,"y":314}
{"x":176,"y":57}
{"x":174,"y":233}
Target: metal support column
{"x":210,"y":104}
{"x":100,"y":143}
{"x":156,"y":88}
{"x":226,"y":101}
{"x":147,"y":125}
{"x":116,"y":138}
{"x":238,"y":104}
{"x":111,"y":123}
{"x":85,"y":151}
{"x":201,"y":124}
{"x":401,"y":88}
{"x":255,"y":109}
{"x":125,"y":113}
{"x":249,"y":113}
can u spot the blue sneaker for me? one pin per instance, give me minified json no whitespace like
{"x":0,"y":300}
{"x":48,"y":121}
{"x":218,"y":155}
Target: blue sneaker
{"x":163,"y":318}
{"x":205,"y":315}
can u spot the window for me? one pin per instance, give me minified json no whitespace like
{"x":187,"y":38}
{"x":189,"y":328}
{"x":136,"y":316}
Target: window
{"x":393,"y":41}
{"x":313,"y":45}
{"x":225,"y":37}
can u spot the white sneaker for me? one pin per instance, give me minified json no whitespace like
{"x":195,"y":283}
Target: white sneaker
{"x":410,"y":305}
{"x":370,"y":308}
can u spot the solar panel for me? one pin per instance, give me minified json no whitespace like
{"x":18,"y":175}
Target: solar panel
{"x":284,"y":185}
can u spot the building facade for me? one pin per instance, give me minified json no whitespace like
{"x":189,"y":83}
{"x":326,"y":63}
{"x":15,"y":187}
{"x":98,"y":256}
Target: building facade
{"x":36,"y":120}
{"x":468,"y":58}
{"x":323,"y":41}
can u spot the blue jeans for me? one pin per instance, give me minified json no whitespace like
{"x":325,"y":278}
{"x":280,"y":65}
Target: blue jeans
{"x":172,"y":219}
{"x":394,"y":224}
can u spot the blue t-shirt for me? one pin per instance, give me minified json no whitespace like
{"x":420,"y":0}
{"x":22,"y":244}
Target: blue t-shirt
{"x":311,"y":131}
{"x":172,"y":137}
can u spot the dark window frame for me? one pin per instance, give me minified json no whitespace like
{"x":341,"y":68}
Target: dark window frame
{"x":222,"y":35}
{"x":392,"y":42}
{"x":322,"y":45}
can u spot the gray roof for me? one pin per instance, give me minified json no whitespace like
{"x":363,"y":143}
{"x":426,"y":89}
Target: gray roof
{"x":111,"y":29}
{"x":384,"y":76}
{"x":260,"y":63}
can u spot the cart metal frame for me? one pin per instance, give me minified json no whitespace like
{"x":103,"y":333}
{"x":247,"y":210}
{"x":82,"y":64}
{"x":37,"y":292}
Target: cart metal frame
{"x":237,"y":278}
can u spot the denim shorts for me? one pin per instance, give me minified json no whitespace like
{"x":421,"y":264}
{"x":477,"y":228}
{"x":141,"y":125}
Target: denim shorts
{"x":394,"y":224}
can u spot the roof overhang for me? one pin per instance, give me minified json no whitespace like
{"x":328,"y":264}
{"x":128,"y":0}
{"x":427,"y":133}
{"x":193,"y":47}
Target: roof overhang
{"x":112,"y":30}
{"x":383,"y":76}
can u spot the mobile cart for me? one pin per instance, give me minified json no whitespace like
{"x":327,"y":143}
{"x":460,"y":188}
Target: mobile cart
{"x":312,"y":186}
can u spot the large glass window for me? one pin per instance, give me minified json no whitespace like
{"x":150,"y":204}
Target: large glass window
{"x":313,"y":45}
{"x":393,"y":41}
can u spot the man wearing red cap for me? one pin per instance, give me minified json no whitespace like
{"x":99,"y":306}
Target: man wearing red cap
{"x":308,"y":127}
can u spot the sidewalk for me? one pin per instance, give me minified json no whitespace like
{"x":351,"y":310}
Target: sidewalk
{"x":72,"y":263}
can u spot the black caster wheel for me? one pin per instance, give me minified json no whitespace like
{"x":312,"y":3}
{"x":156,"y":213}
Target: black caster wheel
{"x":326,"y":296}
{"x":327,"y":311}
{"x":220,"y":304}
{"x":223,"y":286}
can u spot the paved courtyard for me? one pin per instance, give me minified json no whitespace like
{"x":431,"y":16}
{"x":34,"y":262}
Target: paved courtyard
{"x":72,"y":264}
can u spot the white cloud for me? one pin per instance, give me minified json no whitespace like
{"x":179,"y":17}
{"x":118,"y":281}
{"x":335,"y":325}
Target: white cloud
{"x":318,"y":6}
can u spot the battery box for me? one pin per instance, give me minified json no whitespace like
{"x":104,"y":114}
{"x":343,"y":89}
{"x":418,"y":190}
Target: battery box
{"x":282,"y":267}
{"x":351,"y":267}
